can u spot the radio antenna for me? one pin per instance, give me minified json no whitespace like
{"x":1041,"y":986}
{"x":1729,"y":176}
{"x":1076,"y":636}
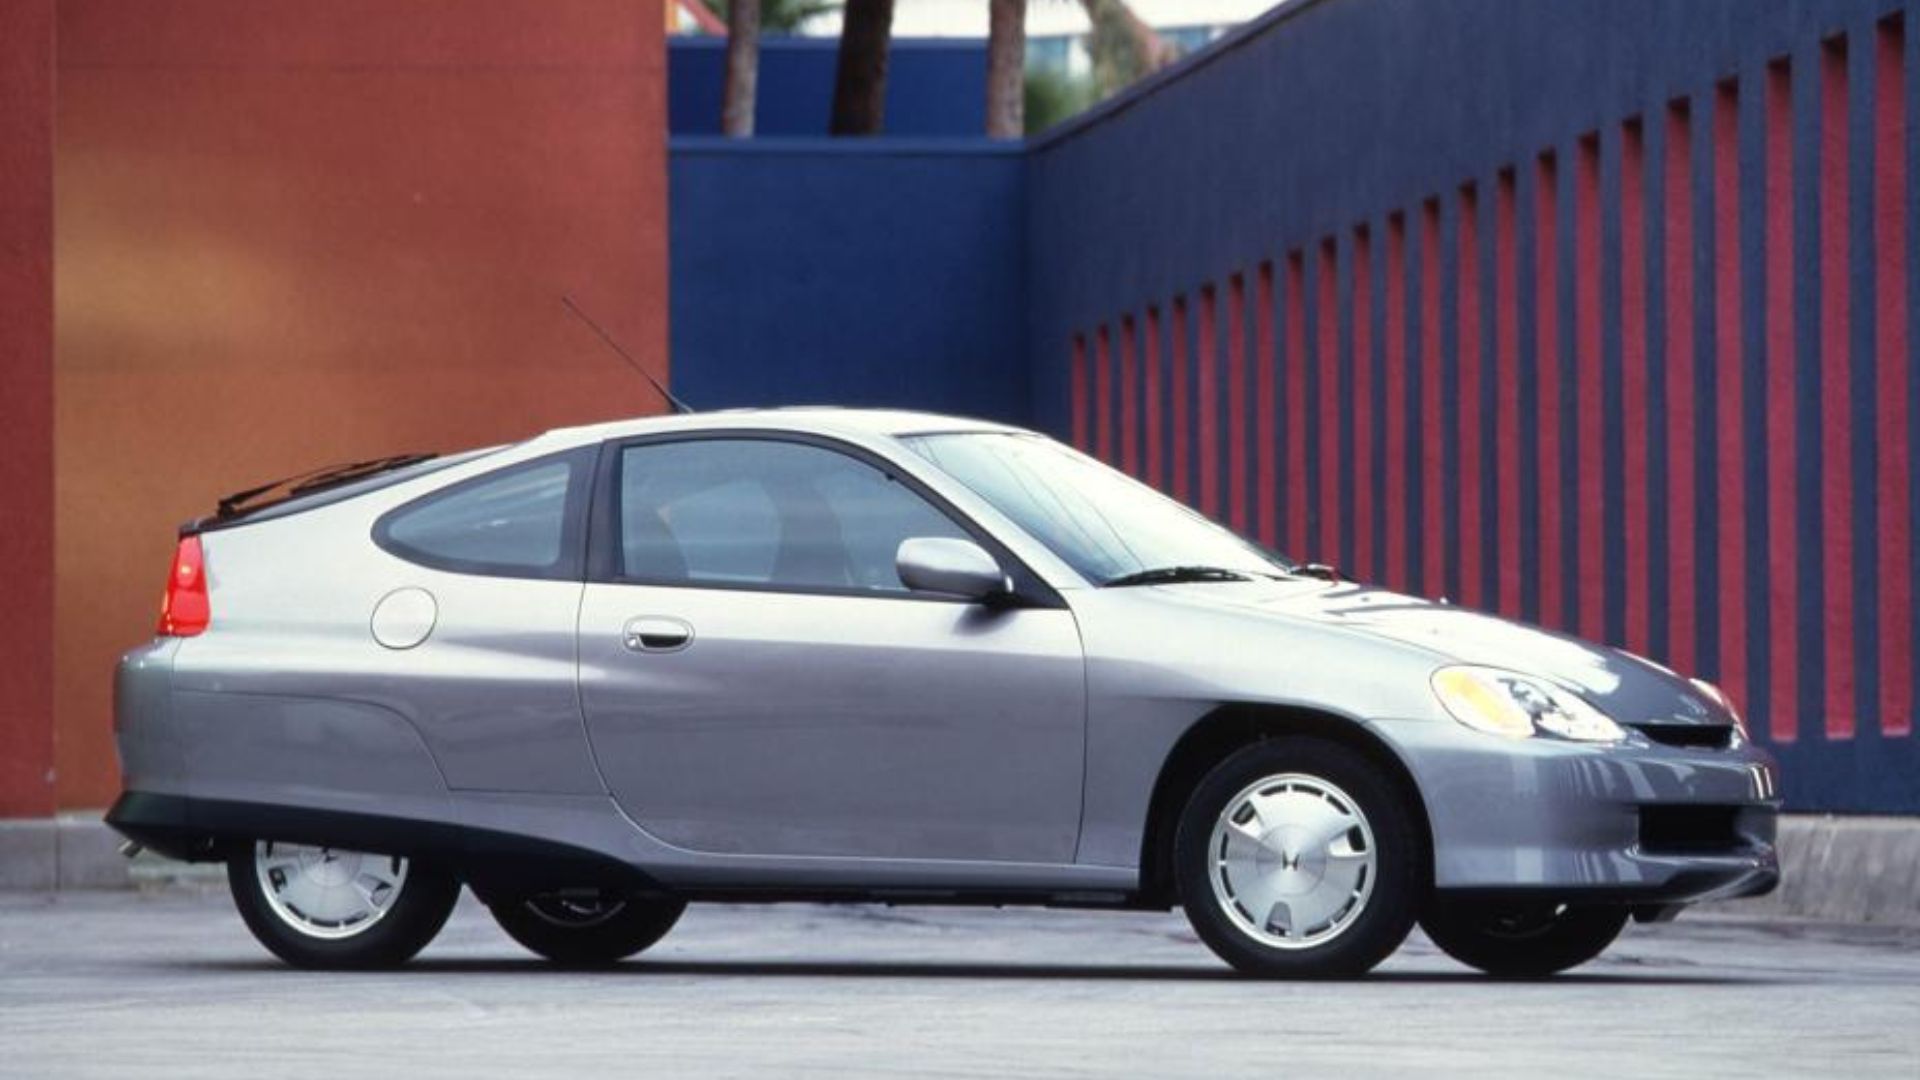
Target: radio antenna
{"x":678,"y":405}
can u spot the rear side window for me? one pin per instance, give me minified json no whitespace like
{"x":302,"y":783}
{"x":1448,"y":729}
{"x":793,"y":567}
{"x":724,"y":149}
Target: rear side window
{"x":522,"y":521}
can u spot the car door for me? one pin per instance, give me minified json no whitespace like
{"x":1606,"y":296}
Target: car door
{"x":756,"y":680}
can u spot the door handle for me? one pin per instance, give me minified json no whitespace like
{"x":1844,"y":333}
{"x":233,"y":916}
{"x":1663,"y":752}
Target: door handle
{"x":657,"y":633}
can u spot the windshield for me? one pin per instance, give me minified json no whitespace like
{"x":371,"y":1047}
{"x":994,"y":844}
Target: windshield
{"x":1101,"y":522}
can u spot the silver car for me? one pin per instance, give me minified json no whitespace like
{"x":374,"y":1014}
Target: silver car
{"x":839,"y":655}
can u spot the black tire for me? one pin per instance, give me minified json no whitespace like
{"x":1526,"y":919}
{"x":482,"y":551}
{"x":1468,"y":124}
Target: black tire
{"x":1522,"y":941}
{"x":586,"y":932}
{"x":426,"y":898}
{"x":1385,"y":915}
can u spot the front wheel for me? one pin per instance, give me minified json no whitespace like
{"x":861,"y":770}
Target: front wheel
{"x":325,"y":907}
{"x":586,"y":930}
{"x":1298,"y":858}
{"x":1522,"y":940}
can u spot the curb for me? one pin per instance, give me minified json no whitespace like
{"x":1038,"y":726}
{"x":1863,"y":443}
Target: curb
{"x":1863,"y":870}
{"x":1843,"y":869}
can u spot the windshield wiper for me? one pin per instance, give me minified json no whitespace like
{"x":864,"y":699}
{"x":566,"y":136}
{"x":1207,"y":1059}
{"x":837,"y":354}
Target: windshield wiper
{"x":1174,"y":575}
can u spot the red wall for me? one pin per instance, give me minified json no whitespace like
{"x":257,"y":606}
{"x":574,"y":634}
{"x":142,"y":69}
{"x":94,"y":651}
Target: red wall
{"x":26,"y":405}
{"x":293,"y":232}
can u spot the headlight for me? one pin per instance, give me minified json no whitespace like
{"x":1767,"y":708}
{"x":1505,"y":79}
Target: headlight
{"x":1718,"y":695}
{"x":1520,"y":706}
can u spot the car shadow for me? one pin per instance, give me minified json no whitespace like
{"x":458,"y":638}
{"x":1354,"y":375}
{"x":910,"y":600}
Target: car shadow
{"x":962,"y":970}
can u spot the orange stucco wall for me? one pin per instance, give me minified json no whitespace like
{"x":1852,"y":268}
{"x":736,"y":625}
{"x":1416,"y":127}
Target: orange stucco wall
{"x":26,"y":406}
{"x":294,"y":232}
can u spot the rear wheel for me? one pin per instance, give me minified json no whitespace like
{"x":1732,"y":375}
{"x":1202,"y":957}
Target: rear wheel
{"x":1297,"y":858}
{"x":1522,"y":940}
{"x":585,"y":930}
{"x":323,"y":907}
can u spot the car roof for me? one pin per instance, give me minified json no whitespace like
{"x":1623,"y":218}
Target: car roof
{"x":813,"y":419}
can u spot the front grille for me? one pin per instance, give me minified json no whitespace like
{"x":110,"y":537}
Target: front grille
{"x":1697,"y":736}
{"x":1690,"y":830}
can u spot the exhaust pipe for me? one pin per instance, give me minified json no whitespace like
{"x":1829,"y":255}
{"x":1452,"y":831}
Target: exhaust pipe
{"x":132,"y":848}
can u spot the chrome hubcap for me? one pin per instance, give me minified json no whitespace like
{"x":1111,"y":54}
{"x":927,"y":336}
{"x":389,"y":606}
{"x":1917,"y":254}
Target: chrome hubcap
{"x":1292,"y":861}
{"x":326,"y":892}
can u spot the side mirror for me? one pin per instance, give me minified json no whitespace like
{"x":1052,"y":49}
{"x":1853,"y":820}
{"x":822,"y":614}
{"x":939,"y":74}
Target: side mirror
{"x":951,"y":567}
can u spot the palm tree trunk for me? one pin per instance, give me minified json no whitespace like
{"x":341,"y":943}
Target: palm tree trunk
{"x":860,"y":81}
{"x":1006,"y":68}
{"x":743,"y":67}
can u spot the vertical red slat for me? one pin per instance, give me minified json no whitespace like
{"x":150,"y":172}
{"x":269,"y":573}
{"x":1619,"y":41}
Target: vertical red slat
{"x":1730,"y":377}
{"x":1506,"y":350}
{"x":1783,"y":659}
{"x":1237,"y":448}
{"x":1677,"y":257}
{"x":1546,"y":293}
{"x":1265,"y":428}
{"x":1182,"y":375}
{"x":1103,"y":395}
{"x":1156,"y":446}
{"x":1893,"y":357}
{"x":1362,"y":361}
{"x":1590,"y":521}
{"x":1633,"y":375}
{"x":1395,"y":320}
{"x":1328,"y":356}
{"x":1077,"y":390}
{"x":1467,"y":338}
{"x":1296,"y":360}
{"x":1207,"y":387}
{"x":1129,"y":398}
{"x":1836,"y":389}
{"x":1432,"y":490}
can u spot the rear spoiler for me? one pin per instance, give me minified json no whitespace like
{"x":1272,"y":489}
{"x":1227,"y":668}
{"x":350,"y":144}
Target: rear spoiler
{"x":241,"y":504}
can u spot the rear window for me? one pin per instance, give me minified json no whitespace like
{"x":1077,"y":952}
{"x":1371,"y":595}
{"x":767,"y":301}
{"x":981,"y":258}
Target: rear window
{"x":521,"y":521}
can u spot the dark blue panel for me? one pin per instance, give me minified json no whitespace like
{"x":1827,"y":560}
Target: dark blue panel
{"x":887,"y":274}
{"x":934,"y":86}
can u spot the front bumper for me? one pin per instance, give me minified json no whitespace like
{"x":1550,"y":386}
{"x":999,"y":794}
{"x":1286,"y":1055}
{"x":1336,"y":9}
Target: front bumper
{"x":1640,"y":824}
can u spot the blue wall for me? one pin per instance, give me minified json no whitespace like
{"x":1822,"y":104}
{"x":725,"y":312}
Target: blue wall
{"x":1717,"y":479}
{"x":878,"y":272}
{"x":1600,"y":315}
{"x":934,"y":86}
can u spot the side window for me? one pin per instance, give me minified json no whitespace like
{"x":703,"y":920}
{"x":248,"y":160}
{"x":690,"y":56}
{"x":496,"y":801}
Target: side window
{"x":522,"y":521}
{"x":759,"y":512}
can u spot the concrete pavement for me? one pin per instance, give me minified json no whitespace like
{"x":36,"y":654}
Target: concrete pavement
{"x":166,"y":984}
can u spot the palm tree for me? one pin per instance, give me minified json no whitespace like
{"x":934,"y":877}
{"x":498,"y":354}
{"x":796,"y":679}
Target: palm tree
{"x":1122,"y":45}
{"x":860,"y":80}
{"x":1006,"y":67}
{"x":743,"y":68}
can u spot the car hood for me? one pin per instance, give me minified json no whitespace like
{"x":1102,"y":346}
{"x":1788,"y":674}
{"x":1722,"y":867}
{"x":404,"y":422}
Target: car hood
{"x":1629,"y":688}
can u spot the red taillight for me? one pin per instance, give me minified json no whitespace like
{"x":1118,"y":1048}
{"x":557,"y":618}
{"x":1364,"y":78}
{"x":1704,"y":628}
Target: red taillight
{"x":184,"y":610}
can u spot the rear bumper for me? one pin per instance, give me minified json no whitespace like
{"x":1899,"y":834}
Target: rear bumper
{"x":1643,"y":824}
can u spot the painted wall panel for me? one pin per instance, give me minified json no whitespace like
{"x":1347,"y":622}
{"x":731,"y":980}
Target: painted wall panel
{"x":807,"y":271}
{"x":1646,"y":315}
{"x":290,"y":234}
{"x":935,"y":86}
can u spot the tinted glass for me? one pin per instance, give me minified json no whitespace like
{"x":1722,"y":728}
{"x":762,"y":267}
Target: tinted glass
{"x":512,"y":521}
{"x":766,"y":513}
{"x":1103,"y":523}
